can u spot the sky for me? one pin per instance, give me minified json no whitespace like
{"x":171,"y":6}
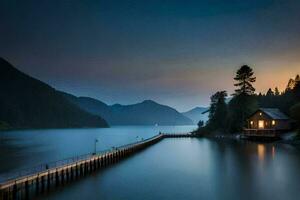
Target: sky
{"x":175,"y":52}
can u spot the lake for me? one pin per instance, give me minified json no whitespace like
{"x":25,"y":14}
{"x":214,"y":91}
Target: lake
{"x":180,"y":168}
{"x":26,"y":148}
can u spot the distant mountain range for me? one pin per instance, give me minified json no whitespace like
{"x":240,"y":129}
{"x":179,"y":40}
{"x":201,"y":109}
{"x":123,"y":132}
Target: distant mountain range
{"x":26,"y":102}
{"x":147,"y":112}
{"x":196,"y":114}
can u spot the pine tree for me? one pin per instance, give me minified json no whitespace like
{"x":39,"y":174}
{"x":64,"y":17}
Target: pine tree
{"x":296,"y":91}
{"x":244,"y":101}
{"x":200,"y":123}
{"x":290,"y":85}
{"x":297,"y":79}
{"x":277,"y":93}
{"x":270,"y":92}
{"x":244,"y":78}
{"x":218,"y":111}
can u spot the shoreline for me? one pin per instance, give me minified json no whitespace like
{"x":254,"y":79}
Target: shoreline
{"x":291,"y":137}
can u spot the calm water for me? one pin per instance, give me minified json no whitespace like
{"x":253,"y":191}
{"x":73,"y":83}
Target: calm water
{"x":27,"y":148}
{"x":176,"y":168}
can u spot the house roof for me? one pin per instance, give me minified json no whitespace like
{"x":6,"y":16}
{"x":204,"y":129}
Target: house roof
{"x":274,"y":113}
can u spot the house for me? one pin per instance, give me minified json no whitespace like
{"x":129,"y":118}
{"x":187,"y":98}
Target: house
{"x":267,"y":122}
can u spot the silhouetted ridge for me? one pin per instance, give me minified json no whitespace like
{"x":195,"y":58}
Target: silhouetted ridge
{"x":147,"y":112}
{"x":26,"y":102}
{"x":196,"y":115}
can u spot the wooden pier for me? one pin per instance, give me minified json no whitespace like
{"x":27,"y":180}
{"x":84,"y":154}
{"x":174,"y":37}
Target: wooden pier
{"x":26,"y":184}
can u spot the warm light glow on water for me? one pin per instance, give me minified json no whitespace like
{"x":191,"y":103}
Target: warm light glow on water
{"x":273,"y":152}
{"x":261,"y":151}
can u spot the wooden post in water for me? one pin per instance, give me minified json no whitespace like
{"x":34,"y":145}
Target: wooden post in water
{"x":72,"y":173}
{"x":1,"y":194}
{"x":81,"y":169}
{"x":67,"y":175}
{"x":43,"y":183}
{"x":91,"y":166}
{"x":15,"y":191}
{"x":48,"y":180}
{"x":85,"y":168}
{"x":37,"y":184}
{"x":76,"y":171}
{"x":88,"y":166}
{"x":98,"y":163}
{"x":102,"y":161}
{"x":62,"y":173}
{"x":26,"y":190}
{"x":105,"y":160}
{"x":56,"y":178}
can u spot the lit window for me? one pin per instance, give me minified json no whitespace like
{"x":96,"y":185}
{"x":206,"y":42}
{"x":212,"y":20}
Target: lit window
{"x":251,"y":122}
{"x":260,"y":114}
{"x":261,"y":124}
{"x":273,"y":122}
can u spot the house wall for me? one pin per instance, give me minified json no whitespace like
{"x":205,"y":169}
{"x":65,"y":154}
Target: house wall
{"x":256,"y":117}
{"x":279,"y":124}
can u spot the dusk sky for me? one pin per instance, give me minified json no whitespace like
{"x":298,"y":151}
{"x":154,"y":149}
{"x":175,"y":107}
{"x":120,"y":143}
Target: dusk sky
{"x":174,"y":52}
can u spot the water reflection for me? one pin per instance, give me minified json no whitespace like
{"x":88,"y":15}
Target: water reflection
{"x":261,"y":151}
{"x":273,"y":152}
{"x":172,"y":169}
{"x":23,"y":149}
{"x":196,"y":169}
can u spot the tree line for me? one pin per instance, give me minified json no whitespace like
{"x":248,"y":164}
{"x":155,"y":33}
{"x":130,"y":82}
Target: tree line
{"x":231,"y":117}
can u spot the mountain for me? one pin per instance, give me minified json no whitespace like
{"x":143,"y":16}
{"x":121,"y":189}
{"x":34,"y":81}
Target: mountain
{"x":196,"y":114}
{"x":149,"y":113}
{"x":145,"y":113}
{"x":92,"y":106}
{"x":26,"y":102}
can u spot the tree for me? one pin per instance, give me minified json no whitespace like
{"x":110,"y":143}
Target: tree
{"x":277,"y":93}
{"x":244,"y":78}
{"x":200,"y":124}
{"x":283,"y":100}
{"x":218,"y":111}
{"x":296,"y":91}
{"x":292,"y":83}
{"x":244,"y":102}
{"x":295,"y":113}
{"x":270,"y":92}
{"x":4,"y":125}
{"x":240,"y":107}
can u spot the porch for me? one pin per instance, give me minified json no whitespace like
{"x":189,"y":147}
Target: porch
{"x":261,"y":132}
